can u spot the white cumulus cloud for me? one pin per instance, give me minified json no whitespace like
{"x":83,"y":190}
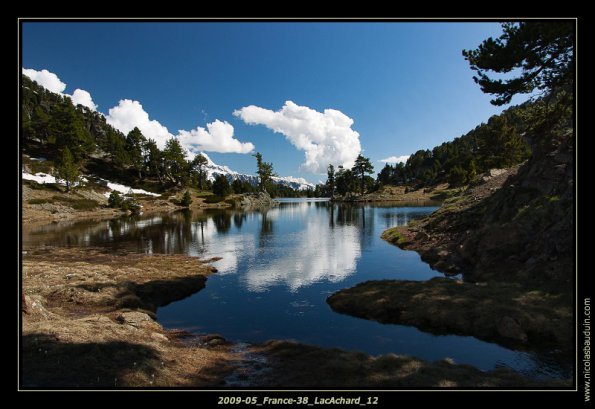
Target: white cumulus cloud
{"x":395,"y":159}
{"x":82,"y":97}
{"x":46,"y":79}
{"x":325,"y":137}
{"x":218,"y":137}
{"x":129,"y":114}
{"x":51,"y":82}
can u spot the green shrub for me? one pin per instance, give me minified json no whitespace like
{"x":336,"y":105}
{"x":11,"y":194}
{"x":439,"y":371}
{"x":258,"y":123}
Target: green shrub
{"x":114,"y":200}
{"x":186,"y":199}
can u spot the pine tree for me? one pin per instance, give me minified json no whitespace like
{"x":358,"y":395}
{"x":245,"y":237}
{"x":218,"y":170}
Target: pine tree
{"x":153,"y":159}
{"x":116,"y":147}
{"x":199,"y":164}
{"x":457,"y":176}
{"x":264,"y":170}
{"x":221,"y":186}
{"x":40,"y":124}
{"x":67,"y":130}
{"x":66,"y":169}
{"x":360,"y":168}
{"x":543,"y":51}
{"x":330,"y":180}
{"x":135,"y":142}
{"x":174,"y":161}
{"x":186,"y":199}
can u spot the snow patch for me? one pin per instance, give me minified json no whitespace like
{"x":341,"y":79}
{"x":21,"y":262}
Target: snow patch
{"x":39,"y":177}
{"x":45,"y":178}
{"x":125,"y":189}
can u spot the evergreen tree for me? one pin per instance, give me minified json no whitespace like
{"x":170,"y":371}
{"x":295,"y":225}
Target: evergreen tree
{"x":116,"y":147}
{"x":186,"y":199}
{"x":264,"y":171}
{"x":457,"y":176}
{"x":67,"y":130}
{"x":115,"y":200}
{"x":199,"y":164}
{"x":174,"y":161}
{"x":40,"y":124}
{"x":66,"y":169}
{"x":135,"y":142}
{"x":471,"y":171}
{"x":344,"y":180}
{"x":153,"y":159}
{"x":500,"y":145}
{"x":238,"y":186}
{"x":542,"y":50}
{"x":221,"y":186}
{"x":330,"y":180}
{"x":360,"y":168}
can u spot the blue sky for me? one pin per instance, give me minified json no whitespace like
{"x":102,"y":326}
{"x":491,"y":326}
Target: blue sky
{"x":405,"y":86}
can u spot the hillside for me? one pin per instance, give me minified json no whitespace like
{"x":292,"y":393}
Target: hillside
{"x":518,"y":225}
{"x":51,"y":123}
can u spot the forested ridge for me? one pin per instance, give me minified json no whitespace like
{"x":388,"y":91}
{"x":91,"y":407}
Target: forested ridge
{"x":499,"y":143}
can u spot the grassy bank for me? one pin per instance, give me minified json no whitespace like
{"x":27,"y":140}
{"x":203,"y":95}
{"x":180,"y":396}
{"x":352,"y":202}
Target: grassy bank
{"x":87,"y":321}
{"x":409,"y":195}
{"x":506,"y":313}
{"x":305,"y":366}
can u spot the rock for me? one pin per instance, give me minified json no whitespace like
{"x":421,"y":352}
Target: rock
{"x":159,"y":337}
{"x":213,"y":340}
{"x":257,"y":200}
{"x":137,"y":319}
{"x":33,"y":306}
{"x":510,"y":328}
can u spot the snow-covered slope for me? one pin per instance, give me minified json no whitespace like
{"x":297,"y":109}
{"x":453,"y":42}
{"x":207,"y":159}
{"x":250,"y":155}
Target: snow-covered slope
{"x":213,"y":170}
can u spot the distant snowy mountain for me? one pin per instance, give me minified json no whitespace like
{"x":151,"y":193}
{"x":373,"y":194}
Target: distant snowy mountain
{"x":213,"y":170}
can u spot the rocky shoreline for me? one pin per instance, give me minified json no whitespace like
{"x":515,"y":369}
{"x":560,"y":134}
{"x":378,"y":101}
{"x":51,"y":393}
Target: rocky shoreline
{"x":509,"y":236}
{"x":50,"y":204}
{"x":88,"y":320}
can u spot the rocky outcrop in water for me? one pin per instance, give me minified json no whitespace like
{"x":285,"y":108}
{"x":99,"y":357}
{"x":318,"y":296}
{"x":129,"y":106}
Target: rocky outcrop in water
{"x":257,"y":200}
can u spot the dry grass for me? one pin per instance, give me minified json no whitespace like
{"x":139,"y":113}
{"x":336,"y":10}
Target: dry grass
{"x":403,"y":194}
{"x":88,"y":321}
{"x":506,"y":313}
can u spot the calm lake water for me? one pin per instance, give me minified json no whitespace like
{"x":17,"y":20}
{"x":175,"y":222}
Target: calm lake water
{"x":279,"y":266}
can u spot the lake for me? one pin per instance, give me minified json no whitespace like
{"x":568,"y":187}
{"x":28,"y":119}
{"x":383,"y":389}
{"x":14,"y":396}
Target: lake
{"x":278,"y":267}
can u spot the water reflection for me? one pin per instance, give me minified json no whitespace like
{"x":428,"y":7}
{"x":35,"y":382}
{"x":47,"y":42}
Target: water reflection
{"x":315,"y":241}
{"x":309,"y":255}
{"x":277,"y":268}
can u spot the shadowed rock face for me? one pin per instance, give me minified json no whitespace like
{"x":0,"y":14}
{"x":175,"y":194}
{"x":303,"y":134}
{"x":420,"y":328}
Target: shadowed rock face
{"x":506,"y":313}
{"x":514,"y":226}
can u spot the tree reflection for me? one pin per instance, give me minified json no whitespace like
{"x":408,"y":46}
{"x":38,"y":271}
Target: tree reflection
{"x":222,"y":221}
{"x":266,"y":224}
{"x":239,"y":219}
